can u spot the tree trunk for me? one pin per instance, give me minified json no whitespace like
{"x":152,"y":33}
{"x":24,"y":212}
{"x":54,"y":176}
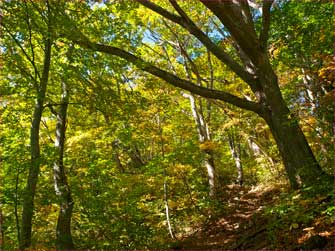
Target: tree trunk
{"x":62,"y":189}
{"x":211,"y":175}
{"x":166,"y":203}
{"x":200,"y":120}
{"x":29,"y":192}
{"x":34,"y":169}
{"x":257,"y":150}
{"x":235,"y":149}
{"x":115,"y":149}
{"x":204,"y":137}
{"x":118,"y":162}
{"x":299,"y":161}
{"x":300,"y":164}
{"x":135,"y":156}
{"x":165,"y":185}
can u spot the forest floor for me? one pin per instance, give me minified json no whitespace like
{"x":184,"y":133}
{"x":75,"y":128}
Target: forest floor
{"x":267,"y":218}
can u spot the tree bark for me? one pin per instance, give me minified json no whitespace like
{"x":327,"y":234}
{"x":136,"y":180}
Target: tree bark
{"x":115,"y":148}
{"x":62,"y":188}
{"x":211,"y":174}
{"x":257,"y":150}
{"x":204,"y":137}
{"x":235,"y":150}
{"x":135,"y":156}
{"x":34,"y":169}
{"x":166,"y":203}
{"x":300,"y":164}
{"x":202,"y":122}
{"x":165,"y":185}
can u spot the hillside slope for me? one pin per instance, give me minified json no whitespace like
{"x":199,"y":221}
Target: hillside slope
{"x":260,"y":218}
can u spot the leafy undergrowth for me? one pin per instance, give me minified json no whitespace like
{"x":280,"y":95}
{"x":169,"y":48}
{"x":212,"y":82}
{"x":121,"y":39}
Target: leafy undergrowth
{"x":272,"y":217}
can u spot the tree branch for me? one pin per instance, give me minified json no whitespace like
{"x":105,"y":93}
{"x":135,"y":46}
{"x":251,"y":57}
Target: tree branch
{"x":184,"y":53}
{"x":185,"y":22}
{"x":263,"y":37}
{"x":234,"y":16}
{"x":24,"y":71}
{"x":52,"y":110}
{"x":180,"y":11}
{"x":30,"y":32}
{"x":23,"y":50}
{"x":245,"y":10}
{"x":172,"y":79}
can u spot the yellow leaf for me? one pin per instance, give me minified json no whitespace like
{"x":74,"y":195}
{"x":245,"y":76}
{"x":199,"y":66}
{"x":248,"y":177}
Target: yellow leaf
{"x":294,"y":226}
{"x":207,"y":146}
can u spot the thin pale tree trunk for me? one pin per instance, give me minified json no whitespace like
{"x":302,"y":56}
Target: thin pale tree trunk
{"x":165,"y":185}
{"x":115,"y":148}
{"x":211,"y":175}
{"x":235,"y":150}
{"x":63,"y":229}
{"x":257,"y":151}
{"x":197,"y":112}
{"x":204,"y":137}
{"x":167,"y":211}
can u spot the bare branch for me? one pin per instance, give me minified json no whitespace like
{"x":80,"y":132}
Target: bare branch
{"x":22,"y":49}
{"x":24,"y":71}
{"x":30,"y":36}
{"x":169,"y":59}
{"x":184,"y":53}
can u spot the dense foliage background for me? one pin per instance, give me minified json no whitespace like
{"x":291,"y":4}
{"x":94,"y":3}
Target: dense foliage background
{"x":137,"y":148}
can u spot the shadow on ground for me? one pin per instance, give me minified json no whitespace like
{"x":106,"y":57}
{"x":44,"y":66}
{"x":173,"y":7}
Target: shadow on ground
{"x":263,"y":218}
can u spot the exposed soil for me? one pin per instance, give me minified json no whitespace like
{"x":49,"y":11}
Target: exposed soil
{"x":244,"y":225}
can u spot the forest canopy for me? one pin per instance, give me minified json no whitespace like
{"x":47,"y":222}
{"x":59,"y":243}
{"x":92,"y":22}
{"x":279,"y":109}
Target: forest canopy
{"x":156,"y":124}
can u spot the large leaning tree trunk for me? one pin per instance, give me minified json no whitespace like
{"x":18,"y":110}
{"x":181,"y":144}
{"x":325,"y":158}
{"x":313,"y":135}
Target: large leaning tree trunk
{"x":62,"y":188}
{"x":34,"y":169}
{"x":255,"y":70}
{"x":300,"y":163}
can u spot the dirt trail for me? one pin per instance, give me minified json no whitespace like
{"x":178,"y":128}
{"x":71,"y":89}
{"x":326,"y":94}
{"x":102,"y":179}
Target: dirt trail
{"x":242,"y":225}
{"x":242,"y":214}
